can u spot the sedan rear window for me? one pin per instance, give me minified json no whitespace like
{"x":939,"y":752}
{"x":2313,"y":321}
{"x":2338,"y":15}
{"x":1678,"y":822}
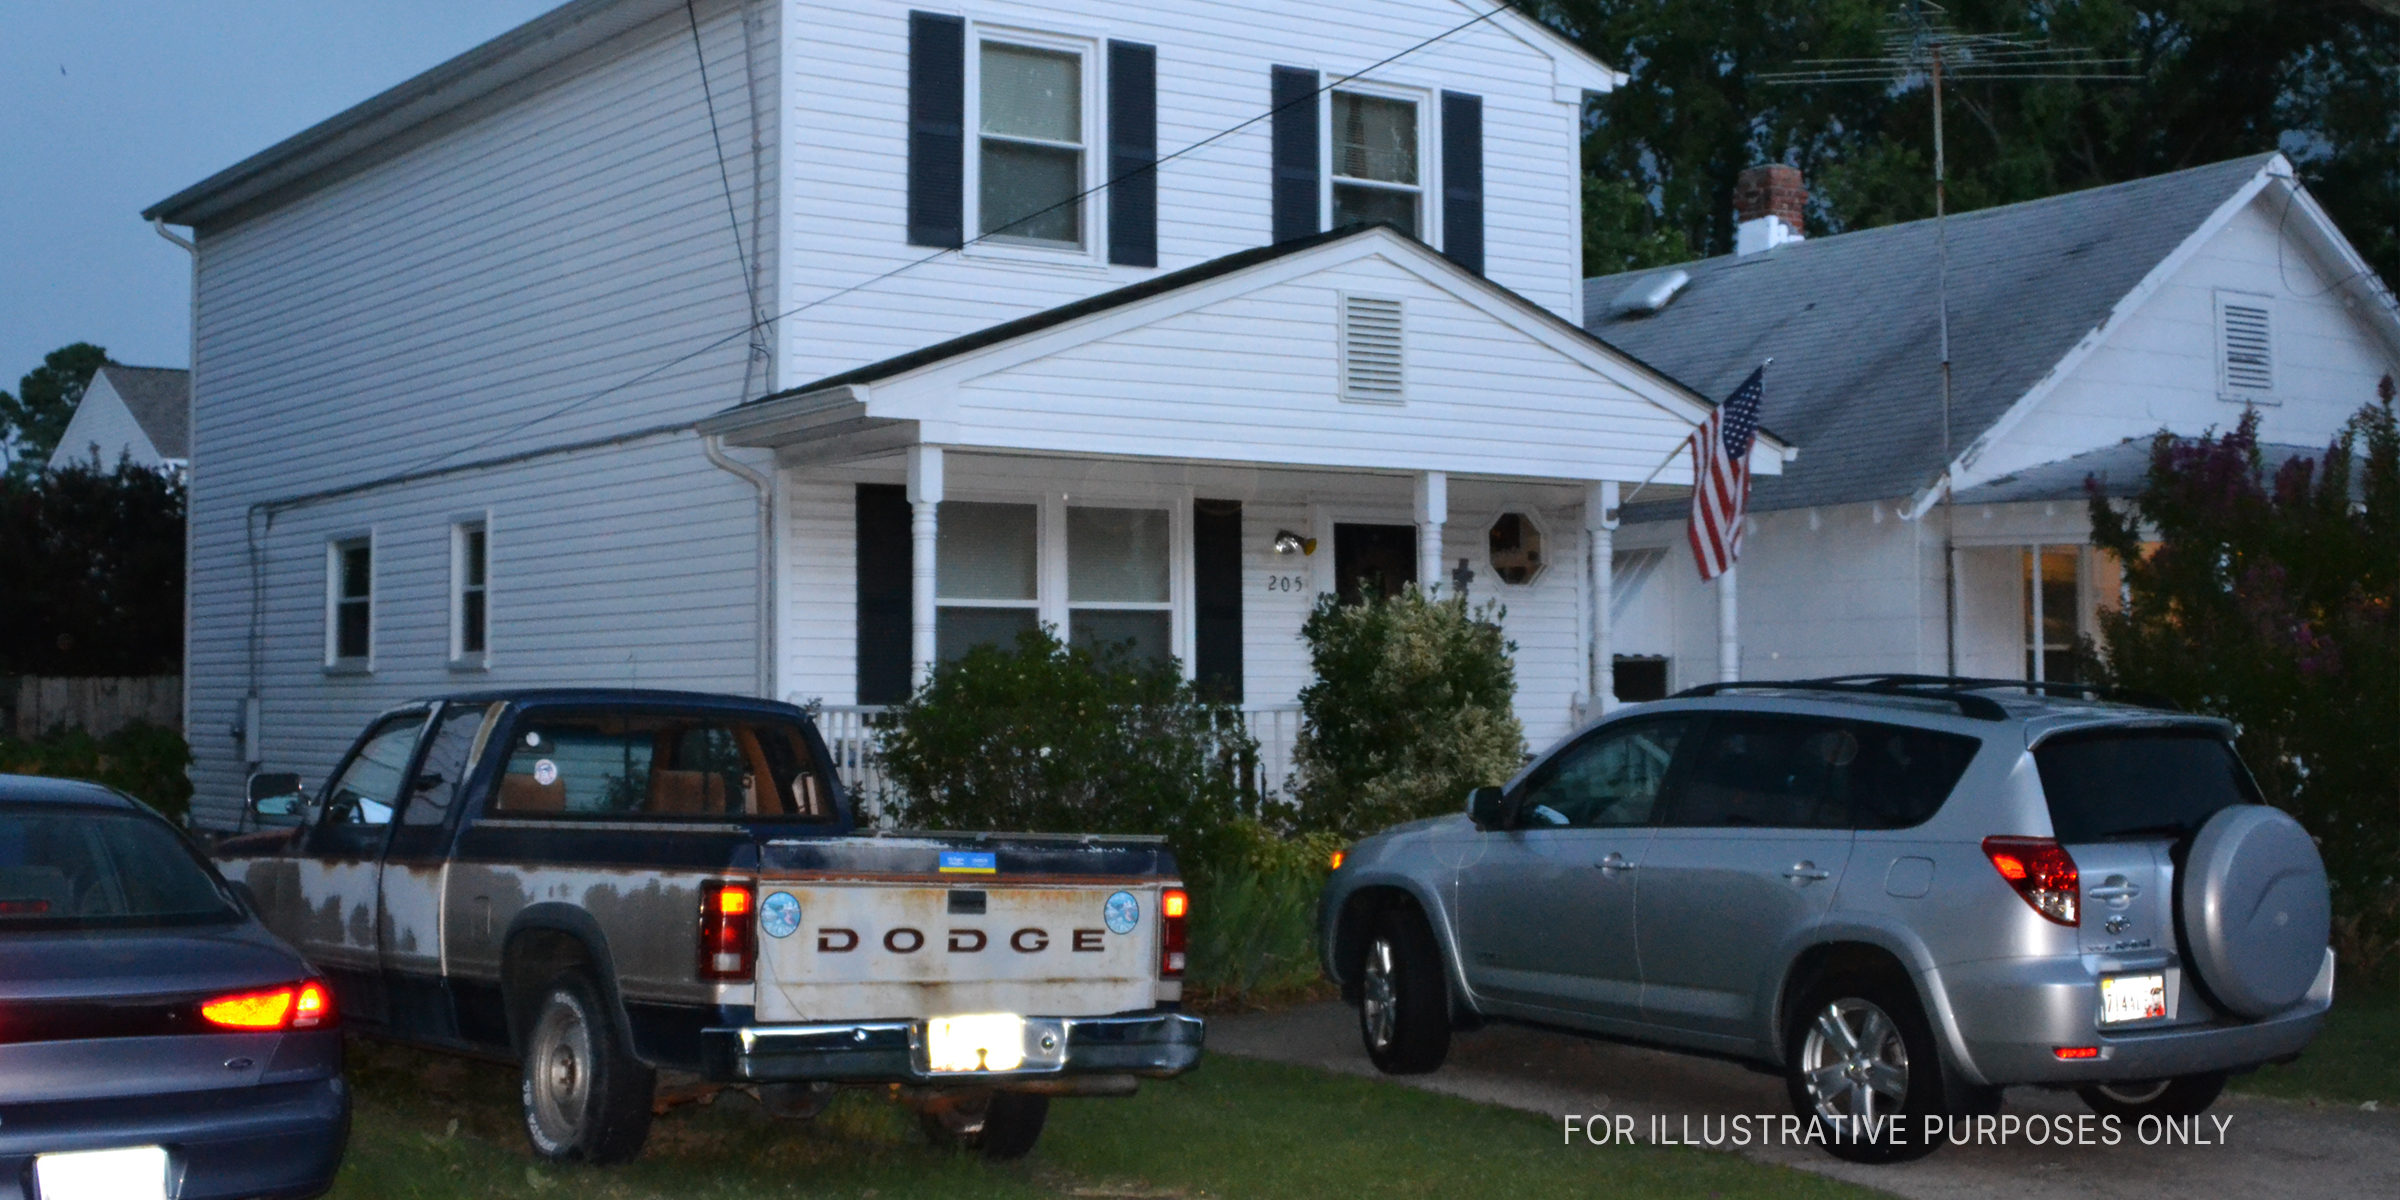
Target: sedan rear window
{"x":2128,"y":783}
{"x":65,"y":867}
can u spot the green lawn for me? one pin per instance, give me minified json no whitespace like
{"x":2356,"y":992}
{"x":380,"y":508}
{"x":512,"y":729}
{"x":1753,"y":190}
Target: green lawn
{"x":2356,"y":1058}
{"x":439,"y":1128}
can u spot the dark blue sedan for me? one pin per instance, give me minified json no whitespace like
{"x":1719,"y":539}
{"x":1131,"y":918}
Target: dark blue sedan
{"x":156,"y":1042}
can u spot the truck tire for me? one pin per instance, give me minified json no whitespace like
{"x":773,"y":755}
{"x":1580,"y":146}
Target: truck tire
{"x":2183,"y":1096}
{"x":586,"y":1097}
{"x":2254,"y":909}
{"x":1001,"y":1126}
{"x":1857,"y":1045}
{"x":1403,"y":1003}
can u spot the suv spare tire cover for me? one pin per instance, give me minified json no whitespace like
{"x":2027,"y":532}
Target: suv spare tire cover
{"x":2255,"y":909}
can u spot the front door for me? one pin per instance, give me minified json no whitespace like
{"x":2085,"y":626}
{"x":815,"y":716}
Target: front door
{"x":1547,"y":907}
{"x":341,"y":866}
{"x":1375,"y":560}
{"x":1745,"y":862}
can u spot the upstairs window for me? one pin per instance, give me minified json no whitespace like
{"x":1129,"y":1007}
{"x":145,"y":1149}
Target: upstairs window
{"x":349,"y":603}
{"x":470,"y":566}
{"x":1375,"y":169}
{"x":1030,"y":161}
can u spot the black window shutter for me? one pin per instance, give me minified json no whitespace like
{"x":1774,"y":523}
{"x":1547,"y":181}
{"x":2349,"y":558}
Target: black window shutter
{"x":1462,"y":179}
{"x":1132,"y":154}
{"x":1217,"y":599}
{"x":937,"y":129}
{"x":1295,"y":152}
{"x":884,"y":581}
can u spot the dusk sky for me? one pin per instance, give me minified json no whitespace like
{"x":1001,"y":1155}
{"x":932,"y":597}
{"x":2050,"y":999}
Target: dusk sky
{"x":107,"y":106}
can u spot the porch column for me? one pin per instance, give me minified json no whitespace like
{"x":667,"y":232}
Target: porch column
{"x":924,"y":533}
{"x":1729,"y":639}
{"x":1600,"y":530}
{"x":1433,"y":508}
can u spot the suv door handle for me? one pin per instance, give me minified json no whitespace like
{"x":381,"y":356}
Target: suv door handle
{"x":2115,"y":891}
{"x":1615,"y":862}
{"x":1806,"y":871}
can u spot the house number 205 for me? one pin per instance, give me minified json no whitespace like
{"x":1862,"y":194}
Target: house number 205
{"x":1285,"y":583}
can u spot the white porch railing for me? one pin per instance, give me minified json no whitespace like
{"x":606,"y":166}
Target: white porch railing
{"x":849,"y":733}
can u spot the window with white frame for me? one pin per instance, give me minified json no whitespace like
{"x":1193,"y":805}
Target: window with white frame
{"x":1031,"y":139}
{"x":1104,"y":575}
{"x":2055,"y":604}
{"x":1376,"y":168}
{"x":470,"y":593}
{"x":350,"y":602}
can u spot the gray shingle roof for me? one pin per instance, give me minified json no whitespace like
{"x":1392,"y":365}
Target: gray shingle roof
{"x":160,"y":399}
{"x":2120,"y":470}
{"x":1850,"y":321}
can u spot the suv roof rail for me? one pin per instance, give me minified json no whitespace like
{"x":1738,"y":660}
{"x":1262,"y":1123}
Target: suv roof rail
{"x":1960,"y":690}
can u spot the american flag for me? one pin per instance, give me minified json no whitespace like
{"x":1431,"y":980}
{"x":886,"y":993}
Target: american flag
{"x":1721,"y":477}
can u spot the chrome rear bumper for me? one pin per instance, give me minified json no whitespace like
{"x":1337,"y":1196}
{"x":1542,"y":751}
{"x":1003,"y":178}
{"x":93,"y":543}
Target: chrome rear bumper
{"x":1155,"y":1045}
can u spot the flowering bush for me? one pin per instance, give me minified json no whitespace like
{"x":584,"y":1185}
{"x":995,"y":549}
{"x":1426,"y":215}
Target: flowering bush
{"x":2270,"y":601}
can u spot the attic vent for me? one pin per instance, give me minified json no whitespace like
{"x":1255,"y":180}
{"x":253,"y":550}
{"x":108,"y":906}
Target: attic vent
{"x":2245,"y":344}
{"x":1371,"y":349}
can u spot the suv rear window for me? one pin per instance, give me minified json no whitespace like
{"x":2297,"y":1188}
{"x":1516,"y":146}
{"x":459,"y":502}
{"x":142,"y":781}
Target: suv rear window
{"x":71,"y":867}
{"x":2126,"y":783}
{"x":1755,"y":770}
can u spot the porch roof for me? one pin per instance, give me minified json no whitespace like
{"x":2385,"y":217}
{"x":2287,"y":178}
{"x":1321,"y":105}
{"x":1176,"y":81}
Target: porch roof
{"x":1467,"y":321}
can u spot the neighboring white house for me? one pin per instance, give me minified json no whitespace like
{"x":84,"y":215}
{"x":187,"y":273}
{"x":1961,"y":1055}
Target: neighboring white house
{"x":511,"y":376}
{"x":140,"y":413}
{"x":2080,"y":326}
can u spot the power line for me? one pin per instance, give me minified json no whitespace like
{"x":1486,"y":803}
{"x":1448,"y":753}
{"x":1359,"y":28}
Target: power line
{"x":758,"y":325}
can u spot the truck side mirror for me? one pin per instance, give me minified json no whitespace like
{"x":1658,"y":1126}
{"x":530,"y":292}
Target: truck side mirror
{"x":1487,"y":807}
{"x":276,"y":798}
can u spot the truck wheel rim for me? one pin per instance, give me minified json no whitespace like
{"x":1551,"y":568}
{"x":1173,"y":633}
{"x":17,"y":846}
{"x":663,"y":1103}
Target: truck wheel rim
{"x":561,"y":1072}
{"x":1379,"y":998}
{"x":1854,"y":1062}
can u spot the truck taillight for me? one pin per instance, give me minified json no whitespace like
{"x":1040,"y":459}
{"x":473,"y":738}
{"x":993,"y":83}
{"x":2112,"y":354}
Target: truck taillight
{"x":306,"y":1005}
{"x":1173,"y":906}
{"x":728,"y":947}
{"x":2042,"y":872}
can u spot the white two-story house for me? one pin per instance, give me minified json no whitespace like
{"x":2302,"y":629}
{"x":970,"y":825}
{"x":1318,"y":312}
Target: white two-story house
{"x":789,"y":348}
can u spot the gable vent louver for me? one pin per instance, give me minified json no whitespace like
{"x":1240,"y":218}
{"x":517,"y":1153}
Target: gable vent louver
{"x":1371,"y":350}
{"x":2248,"y":348}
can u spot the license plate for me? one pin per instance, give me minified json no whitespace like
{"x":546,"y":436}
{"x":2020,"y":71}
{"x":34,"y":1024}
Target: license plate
{"x":135,"y":1173}
{"x":2132,"y":998}
{"x":978,"y":1042}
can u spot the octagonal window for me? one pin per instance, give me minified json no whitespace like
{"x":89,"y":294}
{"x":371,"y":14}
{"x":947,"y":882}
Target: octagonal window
{"x":1516,"y":548}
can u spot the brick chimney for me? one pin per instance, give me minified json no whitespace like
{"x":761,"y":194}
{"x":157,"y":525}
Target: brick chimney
{"x":1767,"y":201}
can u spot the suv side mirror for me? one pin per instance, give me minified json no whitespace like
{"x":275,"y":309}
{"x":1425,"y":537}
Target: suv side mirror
{"x":276,"y":798}
{"x":1487,"y":807}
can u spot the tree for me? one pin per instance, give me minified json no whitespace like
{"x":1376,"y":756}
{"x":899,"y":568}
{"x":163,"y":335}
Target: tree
{"x":2271,"y":601}
{"x":32,"y":420}
{"x":2317,"y":79}
{"x":93,"y":564}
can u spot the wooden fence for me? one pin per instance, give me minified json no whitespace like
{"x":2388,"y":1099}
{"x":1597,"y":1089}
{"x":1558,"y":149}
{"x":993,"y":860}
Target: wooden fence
{"x":99,"y":706}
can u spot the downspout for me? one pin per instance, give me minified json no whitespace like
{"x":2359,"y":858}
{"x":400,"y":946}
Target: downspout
{"x":714,"y":446}
{"x":191,"y":464}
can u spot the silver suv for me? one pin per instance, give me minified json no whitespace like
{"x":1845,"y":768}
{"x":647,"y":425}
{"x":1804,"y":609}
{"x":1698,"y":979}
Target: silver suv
{"x":1904,"y":893}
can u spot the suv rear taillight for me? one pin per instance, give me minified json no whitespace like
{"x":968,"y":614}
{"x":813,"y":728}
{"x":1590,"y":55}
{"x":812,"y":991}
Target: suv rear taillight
{"x":2042,"y":872}
{"x":1173,"y":906}
{"x":727,"y":946}
{"x":304,"y":1005}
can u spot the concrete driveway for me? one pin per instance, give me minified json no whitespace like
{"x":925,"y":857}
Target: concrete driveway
{"x":2269,"y":1148}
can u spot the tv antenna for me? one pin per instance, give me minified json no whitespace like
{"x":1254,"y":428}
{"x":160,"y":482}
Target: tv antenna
{"x":1920,"y":49}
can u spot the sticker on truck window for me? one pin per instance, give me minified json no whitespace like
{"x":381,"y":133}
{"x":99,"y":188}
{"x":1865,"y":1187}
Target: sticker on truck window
{"x":970,"y":862}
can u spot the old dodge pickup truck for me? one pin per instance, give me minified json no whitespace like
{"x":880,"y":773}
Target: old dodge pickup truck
{"x":603,"y":884}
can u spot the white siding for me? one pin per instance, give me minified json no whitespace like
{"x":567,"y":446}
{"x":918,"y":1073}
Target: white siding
{"x":2158,"y":368}
{"x":102,"y":426}
{"x":846,"y":76}
{"x":466,"y":298}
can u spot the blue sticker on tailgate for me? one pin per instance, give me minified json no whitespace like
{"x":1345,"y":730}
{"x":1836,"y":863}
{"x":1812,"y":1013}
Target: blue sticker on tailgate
{"x":970,"y":862}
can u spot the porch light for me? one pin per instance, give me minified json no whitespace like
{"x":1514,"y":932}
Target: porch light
{"x":1287,"y":542}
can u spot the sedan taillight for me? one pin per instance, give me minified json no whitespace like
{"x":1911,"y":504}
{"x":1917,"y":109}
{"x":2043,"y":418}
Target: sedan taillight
{"x":727,"y":946}
{"x":304,"y":1005}
{"x":2042,"y":872}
